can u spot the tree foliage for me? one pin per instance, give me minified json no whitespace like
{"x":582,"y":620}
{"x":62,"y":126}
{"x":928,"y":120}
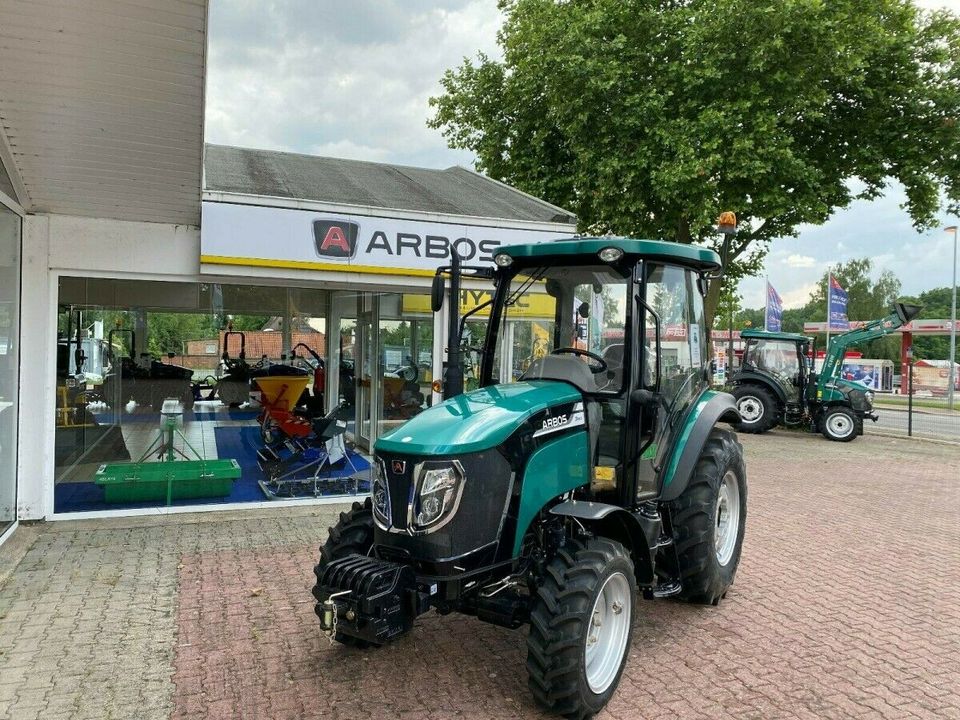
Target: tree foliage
{"x":649,"y":117}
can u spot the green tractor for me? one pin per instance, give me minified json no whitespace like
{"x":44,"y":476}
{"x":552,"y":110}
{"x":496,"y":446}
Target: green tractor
{"x":588,"y":465}
{"x":776,"y":384}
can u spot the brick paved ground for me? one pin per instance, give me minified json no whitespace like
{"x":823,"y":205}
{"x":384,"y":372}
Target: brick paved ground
{"x":847,"y":604}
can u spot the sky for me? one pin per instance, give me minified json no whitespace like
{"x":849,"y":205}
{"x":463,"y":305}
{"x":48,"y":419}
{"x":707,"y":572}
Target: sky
{"x":352,"y":79}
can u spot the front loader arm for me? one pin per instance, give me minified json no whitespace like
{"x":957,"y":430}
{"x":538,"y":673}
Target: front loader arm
{"x":903,"y":313}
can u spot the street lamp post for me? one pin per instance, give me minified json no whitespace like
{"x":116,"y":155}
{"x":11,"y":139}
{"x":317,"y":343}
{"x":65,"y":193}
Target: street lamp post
{"x":953,"y":321}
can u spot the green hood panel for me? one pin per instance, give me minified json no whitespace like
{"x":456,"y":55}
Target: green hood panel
{"x":477,"y":420}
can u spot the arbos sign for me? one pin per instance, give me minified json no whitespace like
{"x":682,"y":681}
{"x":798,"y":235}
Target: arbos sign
{"x":256,"y":236}
{"x":338,"y":239}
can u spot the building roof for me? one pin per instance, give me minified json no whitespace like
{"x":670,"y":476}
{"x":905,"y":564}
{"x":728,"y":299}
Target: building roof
{"x":454,"y":191}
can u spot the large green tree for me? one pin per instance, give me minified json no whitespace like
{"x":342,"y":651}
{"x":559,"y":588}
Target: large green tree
{"x":649,"y":117}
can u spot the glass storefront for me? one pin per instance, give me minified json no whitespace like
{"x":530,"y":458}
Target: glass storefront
{"x":172,"y":393}
{"x":9,"y":361}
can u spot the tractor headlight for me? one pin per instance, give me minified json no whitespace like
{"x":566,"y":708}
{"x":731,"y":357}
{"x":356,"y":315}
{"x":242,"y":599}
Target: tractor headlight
{"x":380,"y":493}
{"x":439,"y":488}
{"x":869,"y":395}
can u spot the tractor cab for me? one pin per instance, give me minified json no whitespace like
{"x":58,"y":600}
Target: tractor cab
{"x":779,"y":362}
{"x":553,"y":492}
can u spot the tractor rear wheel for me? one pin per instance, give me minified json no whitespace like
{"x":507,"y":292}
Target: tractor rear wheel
{"x":352,"y":535}
{"x":580,"y":627}
{"x":709,"y":518}
{"x":759,"y":409}
{"x":840,"y":424}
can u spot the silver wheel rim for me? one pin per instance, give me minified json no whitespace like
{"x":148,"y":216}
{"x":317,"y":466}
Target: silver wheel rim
{"x":607,"y":632}
{"x":839,"y":425}
{"x":728,"y":517}
{"x":751,"y":409}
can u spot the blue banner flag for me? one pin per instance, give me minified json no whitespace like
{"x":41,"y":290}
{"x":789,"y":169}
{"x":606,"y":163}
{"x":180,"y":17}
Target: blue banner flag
{"x":773,"y":319}
{"x":837,"y":311}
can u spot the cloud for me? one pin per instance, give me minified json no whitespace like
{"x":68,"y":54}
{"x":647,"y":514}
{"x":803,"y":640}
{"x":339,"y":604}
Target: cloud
{"x":346,"y":79}
{"x":798,"y":297}
{"x":800,"y":261}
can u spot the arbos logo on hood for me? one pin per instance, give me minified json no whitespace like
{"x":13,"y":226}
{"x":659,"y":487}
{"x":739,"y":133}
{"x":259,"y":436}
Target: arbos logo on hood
{"x":335,"y":238}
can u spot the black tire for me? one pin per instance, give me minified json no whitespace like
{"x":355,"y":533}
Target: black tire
{"x":758,"y":406}
{"x":352,"y":535}
{"x":560,"y":621}
{"x":840,"y":424}
{"x":695,"y":518}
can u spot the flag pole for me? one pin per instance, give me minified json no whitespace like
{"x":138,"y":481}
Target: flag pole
{"x":766,"y":307}
{"x":827,"y":347}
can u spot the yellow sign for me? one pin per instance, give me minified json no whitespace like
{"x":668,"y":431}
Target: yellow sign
{"x":531,"y":306}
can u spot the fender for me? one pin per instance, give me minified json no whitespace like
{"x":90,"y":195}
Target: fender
{"x":710,"y":408}
{"x":750,"y":377}
{"x":636,"y":531}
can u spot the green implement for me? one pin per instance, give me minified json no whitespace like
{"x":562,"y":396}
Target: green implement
{"x":168,"y":478}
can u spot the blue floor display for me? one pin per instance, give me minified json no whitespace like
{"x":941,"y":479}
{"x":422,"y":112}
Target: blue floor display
{"x":107,"y":417}
{"x":239,"y":443}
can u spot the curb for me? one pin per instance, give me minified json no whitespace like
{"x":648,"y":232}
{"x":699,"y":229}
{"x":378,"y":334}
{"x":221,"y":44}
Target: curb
{"x":903,"y":436}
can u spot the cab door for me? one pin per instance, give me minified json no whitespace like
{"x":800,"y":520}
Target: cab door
{"x":673,"y":364}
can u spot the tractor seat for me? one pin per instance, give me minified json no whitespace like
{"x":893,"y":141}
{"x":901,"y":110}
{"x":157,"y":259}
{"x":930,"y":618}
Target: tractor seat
{"x":613,"y":355}
{"x":571,"y":369}
{"x":566,"y":368}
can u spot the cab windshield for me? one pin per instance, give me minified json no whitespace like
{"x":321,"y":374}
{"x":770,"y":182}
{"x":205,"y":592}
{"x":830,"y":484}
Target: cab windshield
{"x":562,"y":323}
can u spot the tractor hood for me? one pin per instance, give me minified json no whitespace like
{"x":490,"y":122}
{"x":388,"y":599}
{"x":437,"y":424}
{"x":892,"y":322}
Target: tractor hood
{"x":476,"y":420}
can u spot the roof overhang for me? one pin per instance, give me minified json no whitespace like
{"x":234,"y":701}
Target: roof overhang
{"x":102,"y":107}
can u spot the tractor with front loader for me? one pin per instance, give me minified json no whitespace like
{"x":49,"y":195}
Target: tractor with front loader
{"x":776,"y":384}
{"x":552,"y":497}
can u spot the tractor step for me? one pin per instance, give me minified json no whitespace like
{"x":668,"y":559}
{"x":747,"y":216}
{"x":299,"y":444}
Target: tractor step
{"x":666,"y":590}
{"x":663,"y":590}
{"x":664,"y":541}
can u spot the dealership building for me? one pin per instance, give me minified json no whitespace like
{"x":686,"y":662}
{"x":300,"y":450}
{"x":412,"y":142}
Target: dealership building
{"x":133,"y":257}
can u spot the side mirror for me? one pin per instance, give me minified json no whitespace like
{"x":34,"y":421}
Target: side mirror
{"x":436,"y":293}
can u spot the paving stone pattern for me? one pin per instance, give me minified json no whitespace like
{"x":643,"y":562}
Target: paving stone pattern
{"x":846,"y":605}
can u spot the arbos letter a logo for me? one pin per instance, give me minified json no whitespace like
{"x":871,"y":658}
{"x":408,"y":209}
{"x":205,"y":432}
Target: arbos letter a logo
{"x":335,"y":238}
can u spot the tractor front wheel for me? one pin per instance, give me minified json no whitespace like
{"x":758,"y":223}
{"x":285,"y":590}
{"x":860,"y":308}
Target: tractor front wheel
{"x":709,"y":519}
{"x":580,"y":627}
{"x":352,"y":535}
{"x":841,"y":424}
{"x":758,"y":408}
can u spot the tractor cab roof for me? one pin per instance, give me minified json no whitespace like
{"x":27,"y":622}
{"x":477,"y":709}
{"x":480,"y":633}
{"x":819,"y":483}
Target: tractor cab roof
{"x":699,"y":258}
{"x":765,"y":335}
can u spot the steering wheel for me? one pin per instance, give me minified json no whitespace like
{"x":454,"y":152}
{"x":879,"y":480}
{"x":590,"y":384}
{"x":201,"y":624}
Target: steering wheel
{"x":601,"y":364}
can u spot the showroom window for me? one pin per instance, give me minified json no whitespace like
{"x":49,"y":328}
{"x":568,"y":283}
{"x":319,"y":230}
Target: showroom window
{"x":9,"y":361}
{"x":178,"y":393}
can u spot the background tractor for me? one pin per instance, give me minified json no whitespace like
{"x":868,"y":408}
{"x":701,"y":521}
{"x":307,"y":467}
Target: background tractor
{"x":776,"y":384}
{"x":549,"y":499}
